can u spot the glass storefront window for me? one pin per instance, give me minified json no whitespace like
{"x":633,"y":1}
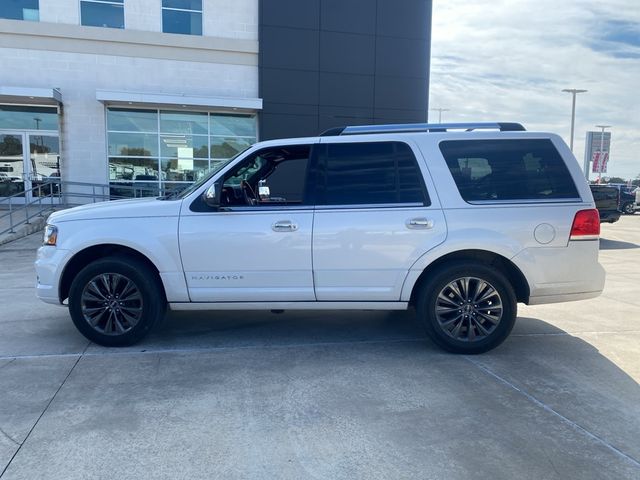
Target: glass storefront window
{"x":227,"y":147}
{"x":20,"y":10}
{"x":130,"y":120}
{"x":17,"y":117}
{"x":121,"y":168}
{"x":45,"y":156}
{"x":133,"y":144}
{"x":233,"y":125}
{"x":184,"y":169}
{"x":102,"y":13}
{"x":184,"y":122}
{"x":171,"y":148}
{"x":184,"y":146}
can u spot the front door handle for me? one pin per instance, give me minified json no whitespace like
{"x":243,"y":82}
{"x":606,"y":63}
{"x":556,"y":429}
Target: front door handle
{"x":419,"y":223}
{"x":284,"y":226}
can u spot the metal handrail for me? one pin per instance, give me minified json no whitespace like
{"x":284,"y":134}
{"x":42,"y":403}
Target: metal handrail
{"x":59,"y":195}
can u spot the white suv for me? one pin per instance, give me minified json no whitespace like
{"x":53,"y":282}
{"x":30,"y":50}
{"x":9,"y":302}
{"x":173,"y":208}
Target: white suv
{"x":461,"y":221}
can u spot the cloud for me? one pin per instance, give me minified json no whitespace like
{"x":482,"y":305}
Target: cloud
{"x":509,"y":61}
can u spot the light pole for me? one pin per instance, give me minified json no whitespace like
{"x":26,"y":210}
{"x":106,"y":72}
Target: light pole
{"x":573,"y":92}
{"x":601,"y":162}
{"x":440,"y":110}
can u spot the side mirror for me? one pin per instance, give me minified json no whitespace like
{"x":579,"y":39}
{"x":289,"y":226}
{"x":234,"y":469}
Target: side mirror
{"x":211,"y":196}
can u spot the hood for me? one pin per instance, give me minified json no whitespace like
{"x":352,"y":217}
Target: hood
{"x":141,"y":207}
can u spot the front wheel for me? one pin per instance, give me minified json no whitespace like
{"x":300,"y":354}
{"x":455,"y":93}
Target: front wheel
{"x":467,"y":307}
{"x":116,"y":301}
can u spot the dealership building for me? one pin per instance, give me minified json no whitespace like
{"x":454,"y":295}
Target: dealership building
{"x":145,"y":95}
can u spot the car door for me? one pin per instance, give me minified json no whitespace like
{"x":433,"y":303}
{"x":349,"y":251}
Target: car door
{"x":252,"y":249}
{"x":374,"y":218}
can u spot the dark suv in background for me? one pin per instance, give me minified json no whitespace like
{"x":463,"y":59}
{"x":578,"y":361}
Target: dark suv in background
{"x":626,"y":199}
{"x":607,"y":200}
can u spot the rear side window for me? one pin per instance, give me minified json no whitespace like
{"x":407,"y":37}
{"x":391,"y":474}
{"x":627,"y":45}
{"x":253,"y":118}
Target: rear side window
{"x":508,"y":170}
{"x":368,"y":173}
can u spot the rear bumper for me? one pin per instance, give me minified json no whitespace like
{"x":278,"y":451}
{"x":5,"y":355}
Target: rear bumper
{"x":566,"y":297}
{"x":562,"y":274}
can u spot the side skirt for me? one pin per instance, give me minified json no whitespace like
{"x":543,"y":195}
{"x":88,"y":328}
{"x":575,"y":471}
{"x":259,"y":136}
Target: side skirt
{"x":289,"y":306}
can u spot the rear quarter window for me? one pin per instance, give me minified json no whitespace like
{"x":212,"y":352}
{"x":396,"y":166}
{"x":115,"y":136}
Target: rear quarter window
{"x":503,"y":170}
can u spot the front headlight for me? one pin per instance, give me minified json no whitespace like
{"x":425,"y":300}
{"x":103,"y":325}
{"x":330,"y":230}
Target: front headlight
{"x":50,"y":235}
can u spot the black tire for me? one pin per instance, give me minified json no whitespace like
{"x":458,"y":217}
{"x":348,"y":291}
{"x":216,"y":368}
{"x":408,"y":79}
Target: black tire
{"x":478,"y":326}
{"x":628,"y":208}
{"x":120,"y":296}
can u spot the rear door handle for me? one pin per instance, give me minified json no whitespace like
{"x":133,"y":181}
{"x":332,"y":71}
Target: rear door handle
{"x":419,"y":223}
{"x":284,"y":226}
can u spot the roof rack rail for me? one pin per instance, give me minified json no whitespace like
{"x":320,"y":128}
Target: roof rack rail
{"x":421,"y":127}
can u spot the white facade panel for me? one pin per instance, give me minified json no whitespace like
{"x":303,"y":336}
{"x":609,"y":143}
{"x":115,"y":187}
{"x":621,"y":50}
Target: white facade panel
{"x":237,"y":19}
{"x":60,"y":11}
{"x":143,"y":15}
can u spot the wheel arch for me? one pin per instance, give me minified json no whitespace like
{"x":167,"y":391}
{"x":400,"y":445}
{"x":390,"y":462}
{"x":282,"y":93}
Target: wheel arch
{"x":84,"y":257}
{"x":515,"y":276}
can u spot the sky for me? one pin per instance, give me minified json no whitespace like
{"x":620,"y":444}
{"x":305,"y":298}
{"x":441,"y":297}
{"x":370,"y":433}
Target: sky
{"x":508,"y":60}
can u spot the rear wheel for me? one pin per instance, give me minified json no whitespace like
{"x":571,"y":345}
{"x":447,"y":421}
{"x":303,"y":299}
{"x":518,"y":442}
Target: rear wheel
{"x":116,"y":301}
{"x":467,"y":307}
{"x":628,"y":208}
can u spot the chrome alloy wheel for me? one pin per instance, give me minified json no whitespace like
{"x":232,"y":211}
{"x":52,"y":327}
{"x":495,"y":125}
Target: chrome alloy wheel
{"x":468,"y":309}
{"x":111,"y":304}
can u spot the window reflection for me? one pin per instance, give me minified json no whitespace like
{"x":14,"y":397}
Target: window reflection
{"x":182,"y":16}
{"x":184,"y":146}
{"x":171,"y":148}
{"x":233,"y":125}
{"x":184,"y":169}
{"x":129,"y":120}
{"x":184,"y":122}
{"x":227,"y":147}
{"x":20,"y":10}
{"x":28,"y":118}
{"x":102,"y":13}
{"x":130,"y":144}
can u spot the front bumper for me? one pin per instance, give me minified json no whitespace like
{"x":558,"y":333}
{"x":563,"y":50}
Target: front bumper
{"x":49,"y":264}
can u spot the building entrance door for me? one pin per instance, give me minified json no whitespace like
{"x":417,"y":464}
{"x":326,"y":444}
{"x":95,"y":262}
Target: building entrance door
{"x":29,"y":165}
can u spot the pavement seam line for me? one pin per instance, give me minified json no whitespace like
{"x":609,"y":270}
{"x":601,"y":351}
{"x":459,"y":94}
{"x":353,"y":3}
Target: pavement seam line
{"x":283,"y":346}
{"x":44,"y":411}
{"x":548,"y":409}
{"x":109,"y":353}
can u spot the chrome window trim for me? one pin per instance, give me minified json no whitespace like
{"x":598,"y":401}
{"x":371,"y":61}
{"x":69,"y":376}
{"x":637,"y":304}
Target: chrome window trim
{"x":526,"y":201}
{"x":240,"y":209}
{"x":360,"y":206}
{"x":306,"y":208}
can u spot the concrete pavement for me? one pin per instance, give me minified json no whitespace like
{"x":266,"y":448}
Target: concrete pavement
{"x":328,"y":395}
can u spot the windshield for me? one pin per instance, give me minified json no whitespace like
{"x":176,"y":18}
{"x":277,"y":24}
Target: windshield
{"x":180,"y":194}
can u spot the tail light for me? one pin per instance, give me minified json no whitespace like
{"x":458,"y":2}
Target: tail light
{"x":586,"y":225}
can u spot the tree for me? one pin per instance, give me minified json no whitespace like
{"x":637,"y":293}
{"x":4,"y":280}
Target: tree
{"x":617,"y":180}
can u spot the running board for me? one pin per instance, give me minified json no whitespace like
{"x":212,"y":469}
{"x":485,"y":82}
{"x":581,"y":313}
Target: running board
{"x":289,"y":306}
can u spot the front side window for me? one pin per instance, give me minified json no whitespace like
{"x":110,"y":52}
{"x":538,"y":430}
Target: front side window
{"x":182,"y":16}
{"x":369,"y":174}
{"x":102,"y":13}
{"x":486,"y":170}
{"x":269,"y":178}
{"x":20,"y":10}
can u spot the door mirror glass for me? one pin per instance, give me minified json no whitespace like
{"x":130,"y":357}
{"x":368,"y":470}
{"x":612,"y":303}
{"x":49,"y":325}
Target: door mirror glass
{"x":211,"y":196}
